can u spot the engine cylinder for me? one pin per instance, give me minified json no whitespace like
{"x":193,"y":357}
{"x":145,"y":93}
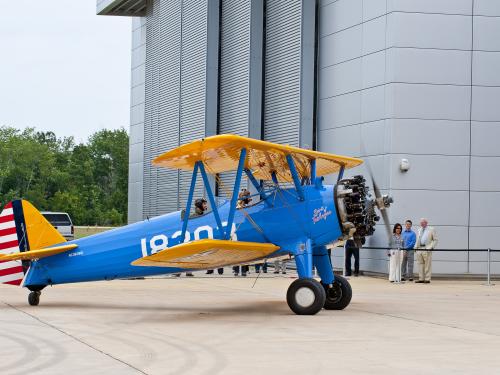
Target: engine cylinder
{"x":356,"y":208}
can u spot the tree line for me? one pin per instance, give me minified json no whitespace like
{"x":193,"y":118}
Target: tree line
{"x":87,"y":180}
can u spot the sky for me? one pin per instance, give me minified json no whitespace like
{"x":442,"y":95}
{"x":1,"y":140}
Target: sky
{"x":63,"y":68}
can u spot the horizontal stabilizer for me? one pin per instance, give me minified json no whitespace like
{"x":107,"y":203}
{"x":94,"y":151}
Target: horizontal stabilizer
{"x":205,"y":254}
{"x":37,"y":254}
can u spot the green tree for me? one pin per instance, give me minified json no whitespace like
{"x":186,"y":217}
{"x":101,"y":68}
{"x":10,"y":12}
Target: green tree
{"x":87,"y":180}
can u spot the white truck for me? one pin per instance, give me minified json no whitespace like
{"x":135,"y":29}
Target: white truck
{"x":62,"y":222}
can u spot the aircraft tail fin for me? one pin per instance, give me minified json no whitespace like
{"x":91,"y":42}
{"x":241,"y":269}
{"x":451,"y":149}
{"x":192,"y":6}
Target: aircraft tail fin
{"x":22,"y":227}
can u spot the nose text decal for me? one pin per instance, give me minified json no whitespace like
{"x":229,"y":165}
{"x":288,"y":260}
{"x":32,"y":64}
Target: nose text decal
{"x":320,"y":214}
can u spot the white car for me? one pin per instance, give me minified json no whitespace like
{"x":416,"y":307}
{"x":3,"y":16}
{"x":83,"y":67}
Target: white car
{"x":62,"y":222}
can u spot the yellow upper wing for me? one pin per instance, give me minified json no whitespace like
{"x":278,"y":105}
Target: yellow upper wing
{"x":221,"y":153}
{"x":207,"y":253}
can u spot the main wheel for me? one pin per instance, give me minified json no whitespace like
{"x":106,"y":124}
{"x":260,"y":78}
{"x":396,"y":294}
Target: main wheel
{"x":34,"y":298}
{"x":305,"y":296}
{"x":339,"y":295}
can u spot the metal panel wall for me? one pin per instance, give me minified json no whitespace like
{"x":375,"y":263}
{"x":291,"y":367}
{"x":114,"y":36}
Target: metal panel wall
{"x":234,"y":66}
{"x":193,"y":82}
{"x":282,"y":71}
{"x":234,"y":87}
{"x":150,"y":118}
{"x":162,"y":108}
{"x":176,"y":93}
{"x":136,"y":142}
{"x":167,"y":108}
{"x":388,"y":82}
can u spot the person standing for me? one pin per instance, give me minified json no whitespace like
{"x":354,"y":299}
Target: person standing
{"x":409,"y":238}
{"x":244,"y":270}
{"x":200,"y":208}
{"x":351,"y":250}
{"x":396,"y":254}
{"x":220,"y":271}
{"x":258,"y":267}
{"x":426,"y":242}
{"x":280,"y":265}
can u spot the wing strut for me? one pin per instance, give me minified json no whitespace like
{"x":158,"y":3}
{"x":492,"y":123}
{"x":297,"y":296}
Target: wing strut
{"x":188,"y":204}
{"x":313,"y":171}
{"x":234,"y":198}
{"x":295,"y":176}
{"x":211,"y":198}
{"x":341,"y":172}
{"x":257,"y":186}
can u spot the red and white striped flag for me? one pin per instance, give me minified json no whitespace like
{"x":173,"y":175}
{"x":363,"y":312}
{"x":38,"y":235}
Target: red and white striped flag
{"x":11,"y":272}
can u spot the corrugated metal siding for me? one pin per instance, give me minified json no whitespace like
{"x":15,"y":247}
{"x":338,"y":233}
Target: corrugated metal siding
{"x":175,"y":96}
{"x":150,"y":116}
{"x":234,"y":67}
{"x":161,"y":109}
{"x":193,"y":84}
{"x":167,"y":108}
{"x":282,"y":71}
{"x":234,"y":76}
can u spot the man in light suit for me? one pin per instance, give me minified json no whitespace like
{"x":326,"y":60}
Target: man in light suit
{"x":426,"y":240}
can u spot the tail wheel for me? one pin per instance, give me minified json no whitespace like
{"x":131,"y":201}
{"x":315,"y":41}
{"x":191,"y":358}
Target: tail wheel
{"x":305,"y":296}
{"x":34,"y":298}
{"x":338,"y":295}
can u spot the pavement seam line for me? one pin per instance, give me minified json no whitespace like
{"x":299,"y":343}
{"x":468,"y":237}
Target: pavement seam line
{"x":75,"y":338}
{"x":426,"y":322}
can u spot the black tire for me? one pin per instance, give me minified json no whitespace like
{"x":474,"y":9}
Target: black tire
{"x":339,"y":295}
{"x":301,"y":301}
{"x":34,"y":298}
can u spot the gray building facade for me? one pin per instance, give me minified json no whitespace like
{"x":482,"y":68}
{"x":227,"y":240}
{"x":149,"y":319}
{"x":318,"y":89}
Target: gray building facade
{"x":382,"y":79}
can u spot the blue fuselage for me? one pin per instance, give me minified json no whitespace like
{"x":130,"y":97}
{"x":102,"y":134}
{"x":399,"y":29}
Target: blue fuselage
{"x":285,"y":221}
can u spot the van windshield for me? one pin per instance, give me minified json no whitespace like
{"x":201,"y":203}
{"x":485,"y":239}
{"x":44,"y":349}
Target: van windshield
{"x":58,"y":219}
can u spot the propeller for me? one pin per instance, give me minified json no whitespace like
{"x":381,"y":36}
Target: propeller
{"x":381,"y":201}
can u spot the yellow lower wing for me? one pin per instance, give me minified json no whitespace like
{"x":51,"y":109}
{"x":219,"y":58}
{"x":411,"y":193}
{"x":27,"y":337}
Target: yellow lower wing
{"x":37,"y":254}
{"x":207,"y":253}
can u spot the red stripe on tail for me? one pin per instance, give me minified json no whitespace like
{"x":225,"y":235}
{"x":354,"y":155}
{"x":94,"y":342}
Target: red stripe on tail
{"x":9,"y":229}
{"x":6,"y":219}
{"x":14,"y":282}
{"x":6,"y":245}
{"x":5,"y":232}
{"x":10,"y":271}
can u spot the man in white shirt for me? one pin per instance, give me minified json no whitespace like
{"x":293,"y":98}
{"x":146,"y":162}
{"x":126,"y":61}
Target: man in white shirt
{"x":426,"y":241}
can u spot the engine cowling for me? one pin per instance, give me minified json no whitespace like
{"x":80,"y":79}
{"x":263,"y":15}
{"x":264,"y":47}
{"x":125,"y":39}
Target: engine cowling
{"x":356,"y":209}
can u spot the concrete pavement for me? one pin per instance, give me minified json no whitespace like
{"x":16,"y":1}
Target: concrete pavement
{"x":214,"y":325}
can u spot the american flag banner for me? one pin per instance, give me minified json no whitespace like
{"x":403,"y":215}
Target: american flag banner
{"x":11,"y":272}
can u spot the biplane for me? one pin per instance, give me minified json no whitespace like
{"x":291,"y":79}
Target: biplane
{"x":293,"y":214}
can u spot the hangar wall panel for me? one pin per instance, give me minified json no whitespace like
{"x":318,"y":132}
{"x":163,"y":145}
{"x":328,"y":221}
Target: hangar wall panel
{"x":177,"y":71}
{"x":193,"y":81}
{"x":136,"y":140}
{"x":234,"y":89}
{"x":485,"y":125}
{"x":437,"y":109}
{"x":162,"y":104}
{"x":352,"y":87}
{"x":282,"y":71}
{"x":387,"y":89}
{"x":234,"y":67}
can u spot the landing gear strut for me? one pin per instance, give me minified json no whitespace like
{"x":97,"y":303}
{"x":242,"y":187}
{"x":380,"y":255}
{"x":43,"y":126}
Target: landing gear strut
{"x":306,"y":296}
{"x":34,"y":298}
